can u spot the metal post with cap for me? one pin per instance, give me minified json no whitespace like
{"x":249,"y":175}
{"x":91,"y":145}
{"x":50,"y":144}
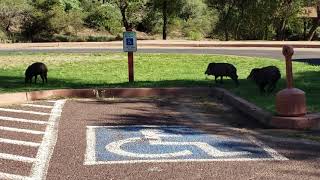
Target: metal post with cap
{"x":130,"y":46}
{"x":290,"y":101}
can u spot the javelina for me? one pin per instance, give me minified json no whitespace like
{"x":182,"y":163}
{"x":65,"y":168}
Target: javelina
{"x":266,"y":76}
{"x":222,"y":69}
{"x":36,"y":69}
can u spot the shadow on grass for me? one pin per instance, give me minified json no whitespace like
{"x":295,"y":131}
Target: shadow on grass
{"x":310,"y":61}
{"x":308,"y":81}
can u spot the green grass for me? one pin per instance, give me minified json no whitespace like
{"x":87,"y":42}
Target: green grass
{"x":151,"y":70}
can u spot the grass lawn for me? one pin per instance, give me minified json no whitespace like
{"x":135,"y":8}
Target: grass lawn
{"x":152,"y":70}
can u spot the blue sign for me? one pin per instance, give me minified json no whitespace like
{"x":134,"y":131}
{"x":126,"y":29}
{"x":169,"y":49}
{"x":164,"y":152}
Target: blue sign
{"x":129,"y":41}
{"x":132,"y":144}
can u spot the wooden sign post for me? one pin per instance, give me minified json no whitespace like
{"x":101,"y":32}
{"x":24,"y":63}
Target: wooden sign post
{"x":130,"y":46}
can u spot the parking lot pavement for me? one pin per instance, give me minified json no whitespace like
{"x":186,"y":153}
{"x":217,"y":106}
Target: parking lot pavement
{"x":171,"y":138}
{"x":27,"y":137}
{"x":145,"y":138}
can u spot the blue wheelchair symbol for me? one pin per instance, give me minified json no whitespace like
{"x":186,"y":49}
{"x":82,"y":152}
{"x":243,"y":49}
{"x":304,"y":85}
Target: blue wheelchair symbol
{"x":131,"y":144}
{"x":129,"y":42}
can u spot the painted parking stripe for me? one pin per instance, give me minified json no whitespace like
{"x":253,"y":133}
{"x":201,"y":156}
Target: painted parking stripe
{"x":36,"y":105}
{"x":22,"y":111}
{"x":17,"y":158}
{"x":17,"y":142}
{"x":13,"y":176}
{"x":52,"y":101}
{"x":28,"y":131}
{"x":268,"y":149}
{"x":22,"y":120}
{"x":40,"y":167}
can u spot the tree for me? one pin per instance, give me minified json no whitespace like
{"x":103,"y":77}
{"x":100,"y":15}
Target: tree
{"x":132,"y":11}
{"x":12,"y":13}
{"x":168,"y":9}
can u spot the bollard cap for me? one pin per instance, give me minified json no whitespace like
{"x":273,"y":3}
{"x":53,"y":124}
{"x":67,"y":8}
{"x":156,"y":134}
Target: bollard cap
{"x":287,"y":50}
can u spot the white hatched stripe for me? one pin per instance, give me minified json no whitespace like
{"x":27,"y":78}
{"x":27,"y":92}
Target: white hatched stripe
{"x":40,"y":167}
{"x":36,"y":105}
{"x":21,"y":130}
{"x":22,"y":120}
{"x":17,"y":142}
{"x":21,"y":111}
{"x":52,"y":101}
{"x":13,"y":176}
{"x":17,"y":158}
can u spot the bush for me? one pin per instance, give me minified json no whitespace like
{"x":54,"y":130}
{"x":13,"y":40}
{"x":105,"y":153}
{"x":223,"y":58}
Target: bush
{"x":3,"y":37}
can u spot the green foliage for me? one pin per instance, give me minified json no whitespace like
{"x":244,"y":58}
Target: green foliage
{"x":41,"y":20}
{"x":104,"y":18}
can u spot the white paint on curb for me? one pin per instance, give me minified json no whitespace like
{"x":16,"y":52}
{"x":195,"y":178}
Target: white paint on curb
{"x":20,"y":130}
{"x":17,"y":142}
{"x":22,"y":120}
{"x":13,"y":176}
{"x":41,"y":165}
{"x":36,"y":105}
{"x":17,"y":158}
{"x":21,"y":111}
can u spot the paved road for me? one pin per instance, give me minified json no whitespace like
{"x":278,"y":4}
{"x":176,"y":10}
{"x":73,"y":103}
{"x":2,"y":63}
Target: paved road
{"x":300,"y":53}
{"x":167,"y":139}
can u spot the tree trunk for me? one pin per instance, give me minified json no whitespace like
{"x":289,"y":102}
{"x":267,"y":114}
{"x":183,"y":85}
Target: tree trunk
{"x":123,"y":8}
{"x":313,"y":29}
{"x":165,"y":20}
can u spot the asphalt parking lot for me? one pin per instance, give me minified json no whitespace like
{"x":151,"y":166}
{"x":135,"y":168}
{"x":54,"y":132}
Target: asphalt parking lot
{"x":145,"y":138}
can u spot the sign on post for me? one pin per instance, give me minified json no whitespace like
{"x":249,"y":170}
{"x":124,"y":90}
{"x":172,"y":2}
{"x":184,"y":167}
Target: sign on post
{"x":129,"y":41}
{"x":130,"y":46}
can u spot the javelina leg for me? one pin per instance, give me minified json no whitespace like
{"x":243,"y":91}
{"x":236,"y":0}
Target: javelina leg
{"x":215,"y":79}
{"x":261,"y":87}
{"x":35,"y":79}
{"x":221,"y":80}
{"x":271,"y":88}
{"x":42,"y":77}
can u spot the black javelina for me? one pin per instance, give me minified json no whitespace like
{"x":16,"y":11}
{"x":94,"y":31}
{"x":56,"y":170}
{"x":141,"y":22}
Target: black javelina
{"x":266,"y":76}
{"x":222,"y":69}
{"x":36,"y":69}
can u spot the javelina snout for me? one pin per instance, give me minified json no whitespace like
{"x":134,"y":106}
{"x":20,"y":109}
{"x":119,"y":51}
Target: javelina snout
{"x":34,"y":70}
{"x":266,"y":76}
{"x":222,"y":69}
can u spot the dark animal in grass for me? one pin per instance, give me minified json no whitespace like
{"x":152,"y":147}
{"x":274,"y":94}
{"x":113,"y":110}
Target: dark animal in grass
{"x":222,"y":69}
{"x":265,"y":77}
{"x":34,"y":70}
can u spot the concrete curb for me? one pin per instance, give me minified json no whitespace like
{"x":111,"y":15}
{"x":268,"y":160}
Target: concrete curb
{"x":310,"y":121}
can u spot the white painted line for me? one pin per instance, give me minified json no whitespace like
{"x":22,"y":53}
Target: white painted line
{"x":17,"y":158}
{"x":36,"y":105}
{"x":17,"y":142}
{"x":90,"y":156}
{"x":52,"y":101}
{"x":21,"y":111}
{"x":40,"y":167}
{"x":20,"y":130}
{"x":268,"y":149}
{"x":22,"y":120}
{"x":13,"y":176}
{"x":176,"y":161}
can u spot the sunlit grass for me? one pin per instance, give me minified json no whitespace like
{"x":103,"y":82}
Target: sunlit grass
{"x":83,"y":70}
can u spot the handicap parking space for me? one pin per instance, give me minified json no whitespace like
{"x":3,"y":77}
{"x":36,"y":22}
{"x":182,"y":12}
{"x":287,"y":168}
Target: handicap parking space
{"x":134,"y":144}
